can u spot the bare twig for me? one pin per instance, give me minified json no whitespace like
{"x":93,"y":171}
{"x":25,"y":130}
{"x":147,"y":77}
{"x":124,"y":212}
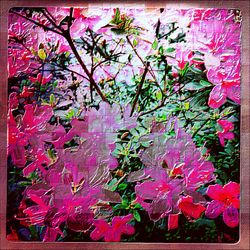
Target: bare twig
{"x":162,"y":103}
{"x":36,"y":23}
{"x":51,"y":20}
{"x":144,"y":63}
{"x":70,"y":70}
{"x":70,"y":18}
{"x":202,"y":125}
{"x":139,"y":89}
{"x":79,"y":59}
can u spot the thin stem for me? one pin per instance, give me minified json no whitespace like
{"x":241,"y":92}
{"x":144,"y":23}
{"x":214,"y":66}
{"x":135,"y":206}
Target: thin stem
{"x":139,"y":89}
{"x":50,"y":15}
{"x":171,"y":31}
{"x":144,"y":63}
{"x":70,"y":18}
{"x":79,"y":59}
{"x":51,"y":20}
{"x":202,"y":125}
{"x":70,"y":70}
{"x":162,"y":103}
{"x":36,"y":23}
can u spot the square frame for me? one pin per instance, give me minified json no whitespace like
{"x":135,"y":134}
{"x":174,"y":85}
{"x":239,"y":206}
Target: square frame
{"x":243,"y":243}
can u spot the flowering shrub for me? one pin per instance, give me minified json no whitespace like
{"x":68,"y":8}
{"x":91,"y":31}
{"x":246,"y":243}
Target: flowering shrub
{"x":123,"y":123}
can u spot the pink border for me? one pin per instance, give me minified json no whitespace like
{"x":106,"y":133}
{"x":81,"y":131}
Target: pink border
{"x":243,"y":243}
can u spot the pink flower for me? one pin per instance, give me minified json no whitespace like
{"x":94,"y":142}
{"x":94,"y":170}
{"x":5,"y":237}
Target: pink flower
{"x":225,"y":201}
{"x":227,"y":85}
{"x":32,"y":123}
{"x":113,"y":232}
{"x":181,"y":157}
{"x":16,"y":142}
{"x":41,"y":160}
{"x":27,"y":92}
{"x":183,"y":56}
{"x":158,"y":197}
{"x":41,"y":79}
{"x":190,"y":209}
{"x":227,"y":126}
{"x":37,"y":212}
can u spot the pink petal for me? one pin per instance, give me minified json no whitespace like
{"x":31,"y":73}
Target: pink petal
{"x":214,"y":209}
{"x":231,"y":217}
{"x":112,"y":236}
{"x":80,"y":220}
{"x":217,"y":97}
{"x":190,"y":209}
{"x":113,"y":163}
{"x":128,"y":229}
{"x":18,"y":156}
{"x":234,"y":94}
{"x":232,"y":188}
{"x":120,"y":220}
{"x":101,"y":228}
{"x":229,"y":135}
{"x":215,"y":192}
{"x":173,"y":221}
{"x":50,"y":235}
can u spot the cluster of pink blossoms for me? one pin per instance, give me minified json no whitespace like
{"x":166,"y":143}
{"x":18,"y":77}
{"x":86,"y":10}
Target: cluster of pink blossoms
{"x":72,"y":187}
{"x":216,"y":34}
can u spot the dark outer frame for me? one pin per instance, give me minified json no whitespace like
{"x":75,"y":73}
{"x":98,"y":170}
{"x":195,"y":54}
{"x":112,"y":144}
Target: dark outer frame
{"x":244,"y":6}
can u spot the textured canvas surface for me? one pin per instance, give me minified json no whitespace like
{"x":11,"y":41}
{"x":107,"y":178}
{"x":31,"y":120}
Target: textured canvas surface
{"x":123,"y":125}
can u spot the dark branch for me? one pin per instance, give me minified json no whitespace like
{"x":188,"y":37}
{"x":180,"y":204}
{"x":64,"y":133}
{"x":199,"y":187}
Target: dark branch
{"x":36,"y":23}
{"x":139,"y":89}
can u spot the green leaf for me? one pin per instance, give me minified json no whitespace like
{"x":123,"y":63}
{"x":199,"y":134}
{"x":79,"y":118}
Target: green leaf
{"x":158,"y":95}
{"x":205,"y":222}
{"x":137,"y":215}
{"x":155,"y":45}
{"x":161,"y":50}
{"x":33,"y":232}
{"x":42,"y":54}
{"x":112,"y":185}
{"x":55,"y":84}
{"x":170,"y":50}
{"x":205,"y":83}
{"x":186,"y":105}
{"x":146,"y":144}
{"x":193,"y":86}
{"x":119,"y":206}
{"x":117,"y":17}
{"x":24,"y":183}
{"x":95,"y":59}
{"x":52,"y":99}
{"x":122,"y":186}
{"x":135,"y":42}
{"x":199,"y":101}
{"x":137,"y":206}
{"x":67,"y":54}
{"x":197,"y":59}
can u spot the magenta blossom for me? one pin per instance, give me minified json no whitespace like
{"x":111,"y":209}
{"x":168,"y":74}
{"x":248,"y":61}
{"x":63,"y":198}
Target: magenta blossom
{"x":27,"y":130}
{"x":16,"y":142}
{"x":226,"y":85}
{"x":40,"y":160}
{"x":227,"y":126}
{"x":173,"y":221}
{"x":181,"y":158}
{"x":225,"y":201}
{"x":41,"y":79}
{"x":159,"y":196}
{"x":190,"y":209}
{"x":113,"y":232}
